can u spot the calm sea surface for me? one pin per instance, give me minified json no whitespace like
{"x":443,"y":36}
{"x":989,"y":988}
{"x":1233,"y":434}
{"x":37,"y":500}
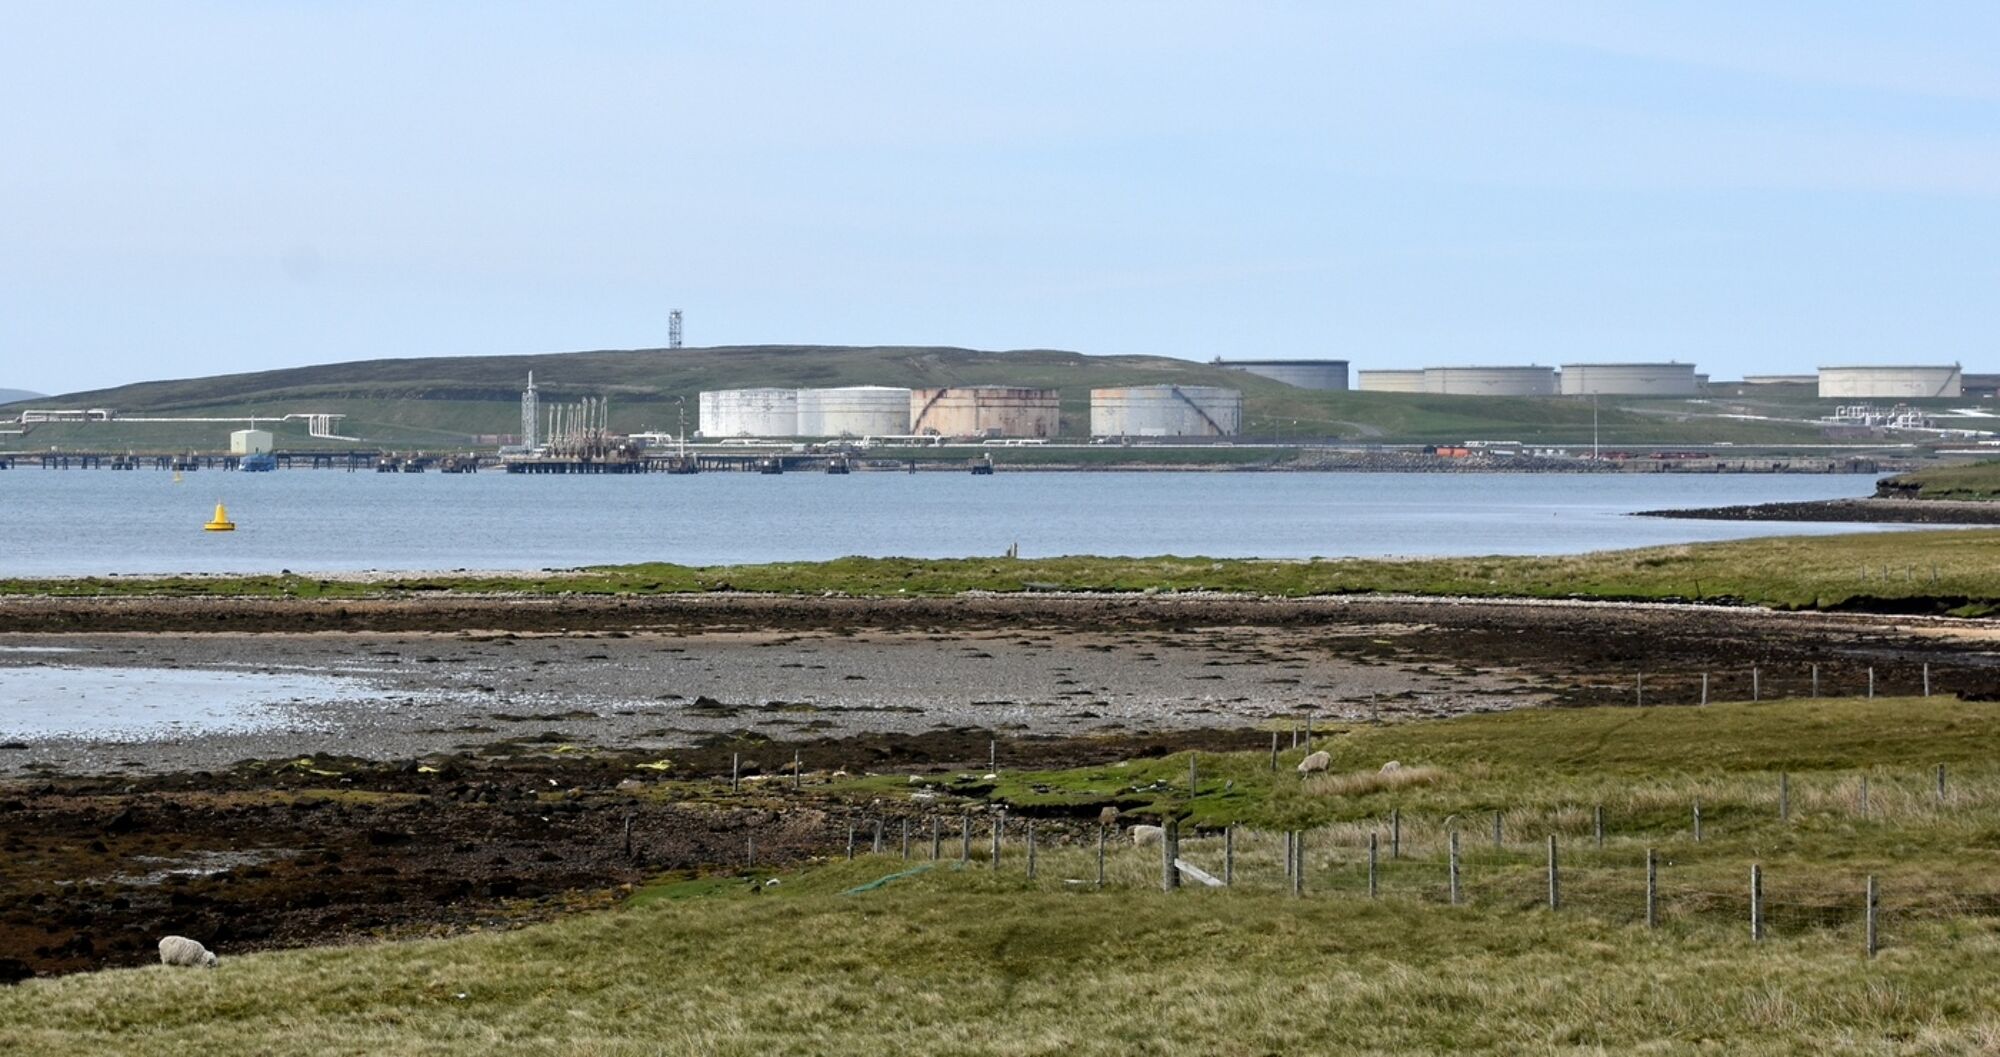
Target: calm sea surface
{"x":100,"y":521}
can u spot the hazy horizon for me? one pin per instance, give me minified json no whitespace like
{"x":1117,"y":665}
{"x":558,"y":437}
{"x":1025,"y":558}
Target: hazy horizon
{"x":217,"y":187}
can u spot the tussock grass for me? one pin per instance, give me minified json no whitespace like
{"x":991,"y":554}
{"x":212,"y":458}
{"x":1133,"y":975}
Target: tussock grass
{"x":1363,"y":783}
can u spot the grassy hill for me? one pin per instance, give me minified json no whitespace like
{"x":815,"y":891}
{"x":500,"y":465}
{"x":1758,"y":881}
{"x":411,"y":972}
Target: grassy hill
{"x":1978,"y":480}
{"x":446,"y":401}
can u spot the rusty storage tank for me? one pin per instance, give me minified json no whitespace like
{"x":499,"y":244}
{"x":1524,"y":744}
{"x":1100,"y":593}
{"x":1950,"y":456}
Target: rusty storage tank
{"x":854,"y":411}
{"x":986,"y":411}
{"x":750,"y":413}
{"x":1166,"y":411}
{"x":1391,"y":381}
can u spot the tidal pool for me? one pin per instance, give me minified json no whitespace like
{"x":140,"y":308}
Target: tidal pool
{"x":150,"y":704}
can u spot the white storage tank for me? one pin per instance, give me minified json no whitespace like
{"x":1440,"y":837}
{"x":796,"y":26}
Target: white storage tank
{"x":750,"y":413}
{"x":1490,"y":381}
{"x":854,"y":411}
{"x":1305,"y":374}
{"x":1628,"y":379}
{"x":1391,"y":381}
{"x":1166,"y":411}
{"x":250,"y":442}
{"x":1909,"y":383}
{"x":986,"y":411}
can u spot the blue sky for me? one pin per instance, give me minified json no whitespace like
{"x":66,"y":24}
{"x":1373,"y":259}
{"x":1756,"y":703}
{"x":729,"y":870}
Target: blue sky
{"x":203,"y":187}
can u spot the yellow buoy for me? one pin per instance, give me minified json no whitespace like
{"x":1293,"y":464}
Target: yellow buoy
{"x":220,"y":522}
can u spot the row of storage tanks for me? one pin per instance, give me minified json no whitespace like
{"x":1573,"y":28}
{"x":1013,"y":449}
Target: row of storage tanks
{"x":967,"y":411}
{"x":1574,"y":379}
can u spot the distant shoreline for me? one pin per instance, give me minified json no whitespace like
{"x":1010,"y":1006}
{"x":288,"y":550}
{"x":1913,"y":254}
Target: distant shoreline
{"x":1871,"y":511}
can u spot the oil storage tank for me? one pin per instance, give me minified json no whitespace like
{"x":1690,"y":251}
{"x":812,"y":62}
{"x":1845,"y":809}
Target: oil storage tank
{"x":1166,"y":411}
{"x":1305,"y":374}
{"x":1628,"y":379}
{"x":854,"y":411}
{"x":986,"y":411}
{"x":1490,"y":381}
{"x":1909,"y":383}
{"x":1391,"y":381}
{"x":750,"y":413}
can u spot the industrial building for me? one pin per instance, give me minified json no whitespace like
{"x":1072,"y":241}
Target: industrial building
{"x":1490,"y":381}
{"x":1629,"y":379}
{"x":1166,"y":411}
{"x":749,"y":413}
{"x":250,"y":442}
{"x":1391,"y":381}
{"x":854,"y":411}
{"x":1904,"y":383}
{"x":1304,"y":374}
{"x":986,"y":411}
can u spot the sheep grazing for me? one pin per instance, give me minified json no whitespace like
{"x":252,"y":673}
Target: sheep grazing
{"x":1392,"y":767}
{"x":1144,"y":835}
{"x":1318,"y":761}
{"x":179,"y":950}
{"x":1108,"y":816}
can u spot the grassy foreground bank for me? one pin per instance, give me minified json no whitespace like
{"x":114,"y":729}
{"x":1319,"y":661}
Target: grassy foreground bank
{"x":1951,"y":570}
{"x":979,"y":960}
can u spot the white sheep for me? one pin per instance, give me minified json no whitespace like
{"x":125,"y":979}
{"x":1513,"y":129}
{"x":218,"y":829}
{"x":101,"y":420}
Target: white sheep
{"x":179,"y":950}
{"x":1316,"y":762}
{"x":1392,"y":767}
{"x":1144,"y":835}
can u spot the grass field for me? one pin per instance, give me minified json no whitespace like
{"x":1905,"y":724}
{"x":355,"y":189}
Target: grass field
{"x":1952,"y":570}
{"x":986,"y":960}
{"x":1977,"y":480}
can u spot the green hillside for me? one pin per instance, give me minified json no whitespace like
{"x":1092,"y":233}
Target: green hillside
{"x":447,"y":401}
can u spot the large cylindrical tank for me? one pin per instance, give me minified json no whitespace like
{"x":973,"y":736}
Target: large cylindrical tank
{"x":1628,"y":379}
{"x":1166,"y":411}
{"x":750,"y":413}
{"x":854,"y":411}
{"x":1391,"y":381}
{"x":1305,"y":374}
{"x":1490,"y":381}
{"x":986,"y":411}
{"x":1910,"y":383}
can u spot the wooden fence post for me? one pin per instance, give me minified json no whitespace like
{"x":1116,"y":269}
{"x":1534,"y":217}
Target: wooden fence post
{"x":1194,"y":777}
{"x":1927,"y":678}
{"x":1940,"y":783}
{"x":1395,"y":833}
{"x":876,"y":849}
{"x":1756,"y":684}
{"x":1229,"y":854}
{"x":906,"y":839}
{"x":993,"y":755}
{"x":1639,"y":690}
{"x":1756,"y":902}
{"x":750,"y":851}
{"x":1597,"y":818}
{"x":1871,"y":682}
{"x":850,"y":840}
{"x":1031,"y":849}
{"x":1697,"y":820}
{"x":1309,"y":732}
{"x":735,"y":765}
{"x":1874,"y":902}
{"x":1555,"y":878}
{"x":798,"y":772}
{"x":628,"y":834}
{"x":1100,"y":854}
{"x":1784,"y":797}
{"x":1864,"y":796}
{"x":1652,"y":890}
{"x":1170,"y":849}
{"x":937,"y":835}
{"x":1496,"y":830}
{"x":1815,"y":689}
{"x":999,"y":828}
{"x":1274,"y":750}
{"x":964,"y":839}
{"x":1374,"y":866}
{"x":1299,"y":865}
{"x":1704,"y":688}
{"x":1454,"y":867}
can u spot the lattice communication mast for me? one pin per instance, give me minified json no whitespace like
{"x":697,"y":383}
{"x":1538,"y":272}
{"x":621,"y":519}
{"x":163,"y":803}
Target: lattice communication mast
{"x":674,"y":329}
